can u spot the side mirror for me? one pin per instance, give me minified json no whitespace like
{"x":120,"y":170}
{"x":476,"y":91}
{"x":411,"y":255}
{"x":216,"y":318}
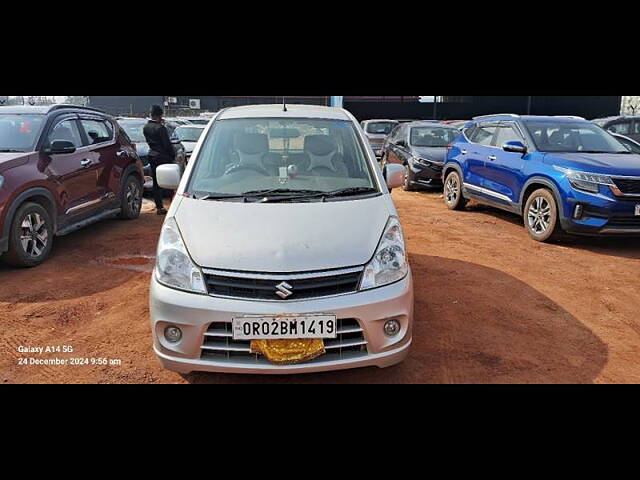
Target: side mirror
{"x":61,"y":147}
{"x":515,"y":147}
{"x":169,"y":176}
{"x":394,"y":175}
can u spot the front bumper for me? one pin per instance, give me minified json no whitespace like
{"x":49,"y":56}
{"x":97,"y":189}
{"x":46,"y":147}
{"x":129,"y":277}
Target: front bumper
{"x":426,"y":175}
{"x":603,"y":214}
{"x":194,"y":314}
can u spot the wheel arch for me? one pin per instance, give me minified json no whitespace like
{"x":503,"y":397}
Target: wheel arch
{"x":449,"y":167}
{"x":536,"y":183}
{"x":39,"y":195}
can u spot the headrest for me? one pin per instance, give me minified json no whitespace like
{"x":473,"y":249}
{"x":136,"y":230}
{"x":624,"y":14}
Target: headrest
{"x":320,"y":145}
{"x":252,"y":143}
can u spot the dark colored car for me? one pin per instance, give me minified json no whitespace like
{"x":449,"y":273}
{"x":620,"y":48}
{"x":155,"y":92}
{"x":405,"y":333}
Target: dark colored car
{"x":134,"y":129}
{"x":632,"y":145}
{"x":422,"y":148}
{"x":622,"y":125}
{"x":62,"y":167}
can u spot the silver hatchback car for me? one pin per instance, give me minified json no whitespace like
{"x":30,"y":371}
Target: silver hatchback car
{"x":282,"y":251}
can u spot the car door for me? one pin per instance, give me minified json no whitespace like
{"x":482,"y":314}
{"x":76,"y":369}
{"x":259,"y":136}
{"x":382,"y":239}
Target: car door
{"x":503,"y":170}
{"x":76,"y":184}
{"x":104,"y":153}
{"x":476,"y":154}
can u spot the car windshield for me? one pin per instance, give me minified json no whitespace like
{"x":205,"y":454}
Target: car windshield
{"x":134,"y":129}
{"x":433,"y":136}
{"x":281,"y":156}
{"x":580,"y":137}
{"x":19,"y":133}
{"x":380,"y":128}
{"x":188,"y":134}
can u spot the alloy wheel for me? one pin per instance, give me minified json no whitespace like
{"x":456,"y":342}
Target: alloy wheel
{"x":133,"y":197}
{"x":451,"y":190}
{"x":539,"y":215}
{"x":35,"y":235}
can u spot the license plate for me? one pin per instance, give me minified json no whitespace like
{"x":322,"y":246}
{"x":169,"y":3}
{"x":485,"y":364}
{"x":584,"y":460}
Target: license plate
{"x":638,"y":210}
{"x":285,"y":327}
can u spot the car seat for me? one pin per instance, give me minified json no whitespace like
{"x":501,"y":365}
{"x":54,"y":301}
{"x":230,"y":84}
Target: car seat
{"x":251,"y":148}
{"x":324,"y":157}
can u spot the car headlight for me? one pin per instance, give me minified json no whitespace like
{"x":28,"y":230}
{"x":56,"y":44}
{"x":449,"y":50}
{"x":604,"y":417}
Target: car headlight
{"x":174,"y":267}
{"x":421,"y":161}
{"x":588,"y":182}
{"x":389,"y":264}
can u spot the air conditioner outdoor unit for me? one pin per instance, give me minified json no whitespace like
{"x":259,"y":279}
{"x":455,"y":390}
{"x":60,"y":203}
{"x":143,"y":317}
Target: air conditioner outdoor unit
{"x":194,"y":103}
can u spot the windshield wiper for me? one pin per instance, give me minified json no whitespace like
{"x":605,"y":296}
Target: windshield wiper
{"x":280,"y":191}
{"x":220,"y":196}
{"x":10,"y":150}
{"x":343,"y":192}
{"x":599,"y":151}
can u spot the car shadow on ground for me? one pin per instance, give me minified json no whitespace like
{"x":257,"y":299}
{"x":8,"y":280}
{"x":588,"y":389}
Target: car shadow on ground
{"x":474,"y":324}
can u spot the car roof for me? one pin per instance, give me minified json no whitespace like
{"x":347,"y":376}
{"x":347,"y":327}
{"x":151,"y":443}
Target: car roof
{"x":277,"y":111}
{"x":502,"y":117}
{"x":616,"y":117}
{"x":193,"y":125}
{"x":429,"y":123}
{"x":43,"y":109}
{"x":381,"y":120}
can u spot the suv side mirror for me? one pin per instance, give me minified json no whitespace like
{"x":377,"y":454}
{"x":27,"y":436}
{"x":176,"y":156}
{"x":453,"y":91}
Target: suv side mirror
{"x":515,"y":147}
{"x":60,"y":147}
{"x":168,"y":176}
{"x":394,"y":175}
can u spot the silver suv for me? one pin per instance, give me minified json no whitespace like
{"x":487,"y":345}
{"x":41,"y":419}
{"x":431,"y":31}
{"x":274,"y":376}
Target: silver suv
{"x":282,"y":251}
{"x":376,"y":132}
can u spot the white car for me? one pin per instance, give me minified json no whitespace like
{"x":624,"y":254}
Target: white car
{"x":189,"y":136}
{"x":282,"y":251}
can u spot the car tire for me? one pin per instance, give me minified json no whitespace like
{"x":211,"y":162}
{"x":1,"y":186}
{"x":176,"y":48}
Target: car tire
{"x":541,"y":217}
{"x":453,"y":197}
{"x":30,"y":237}
{"x":408,"y":180}
{"x":131,"y":198}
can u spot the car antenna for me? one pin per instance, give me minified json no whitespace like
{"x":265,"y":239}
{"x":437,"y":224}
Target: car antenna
{"x":284,"y":104}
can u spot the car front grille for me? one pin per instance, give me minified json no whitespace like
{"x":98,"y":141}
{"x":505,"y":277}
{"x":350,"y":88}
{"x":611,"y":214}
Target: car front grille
{"x":624,"y":222}
{"x":628,"y":186}
{"x":219,"y":345}
{"x":279,"y":287}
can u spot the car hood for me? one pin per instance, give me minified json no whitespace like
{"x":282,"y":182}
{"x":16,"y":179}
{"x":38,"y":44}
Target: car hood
{"x":605,"y":163}
{"x":437,"y":154}
{"x":282,"y":237}
{"x":142,"y":148}
{"x":189,"y":146}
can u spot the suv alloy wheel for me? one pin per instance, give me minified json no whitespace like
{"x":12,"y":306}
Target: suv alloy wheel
{"x":453,"y":192}
{"x":31,"y":236}
{"x":541,"y":215}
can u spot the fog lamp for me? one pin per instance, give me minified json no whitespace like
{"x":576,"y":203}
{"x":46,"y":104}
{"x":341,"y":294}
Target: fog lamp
{"x":392,"y":328}
{"x":173,"y":334}
{"x":577,"y":213}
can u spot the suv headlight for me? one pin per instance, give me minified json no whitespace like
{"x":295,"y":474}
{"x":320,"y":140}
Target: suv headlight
{"x":421,"y":161}
{"x":389,"y":264}
{"x":588,"y":182}
{"x":174,"y":267}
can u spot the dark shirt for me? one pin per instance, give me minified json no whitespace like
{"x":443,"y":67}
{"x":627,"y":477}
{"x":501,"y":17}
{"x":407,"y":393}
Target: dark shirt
{"x":160,"y":146}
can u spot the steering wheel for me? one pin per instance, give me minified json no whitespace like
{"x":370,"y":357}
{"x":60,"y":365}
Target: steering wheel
{"x":239,"y":166}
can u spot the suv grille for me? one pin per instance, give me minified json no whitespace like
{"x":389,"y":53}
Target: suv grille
{"x":219,"y":345}
{"x":266,"y":287}
{"x":624,"y":222}
{"x":628,"y":186}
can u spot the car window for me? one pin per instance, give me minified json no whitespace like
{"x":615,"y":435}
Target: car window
{"x":380,"y":128}
{"x":67,"y":130}
{"x":621,"y":128}
{"x":636,"y":127}
{"x":506,"y":133}
{"x":97,"y":131}
{"x":19,"y":132}
{"x":433,"y":136}
{"x":573,"y":138}
{"x":483,"y":134}
{"x":188,"y":134}
{"x":242,"y":155}
{"x":134,"y":129}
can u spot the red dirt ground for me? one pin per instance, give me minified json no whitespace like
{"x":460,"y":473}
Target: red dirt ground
{"x":492,"y":306}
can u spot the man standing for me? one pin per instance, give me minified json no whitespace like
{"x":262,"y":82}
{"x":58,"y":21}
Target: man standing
{"x":161,"y":151}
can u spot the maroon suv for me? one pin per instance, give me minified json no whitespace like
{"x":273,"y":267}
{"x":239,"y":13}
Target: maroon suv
{"x":62,"y":167}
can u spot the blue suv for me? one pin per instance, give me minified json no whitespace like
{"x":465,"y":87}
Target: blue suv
{"x":559,"y":173}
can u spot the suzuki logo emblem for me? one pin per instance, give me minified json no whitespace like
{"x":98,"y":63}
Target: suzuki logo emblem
{"x":284,"y":290}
